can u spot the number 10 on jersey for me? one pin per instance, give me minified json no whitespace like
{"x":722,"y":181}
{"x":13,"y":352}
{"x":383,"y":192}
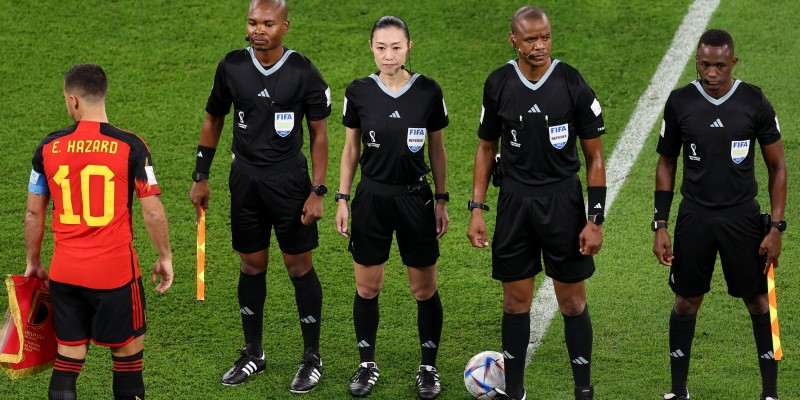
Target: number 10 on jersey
{"x":62,"y":178}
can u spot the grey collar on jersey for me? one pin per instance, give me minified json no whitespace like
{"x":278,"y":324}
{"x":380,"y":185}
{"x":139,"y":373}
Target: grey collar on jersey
{"x":720,"y":100}
{"x":541,"y":81}
{"x":273,"y":69}
{"x":393,"y":93}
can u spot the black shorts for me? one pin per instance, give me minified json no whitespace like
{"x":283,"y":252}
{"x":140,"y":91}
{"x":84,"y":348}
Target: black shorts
{"x":536,"y":222}
{"x":265,"y":197}
{"x":700,"y":233}
{"x":378,"y":210}
{"x":110,"y":318}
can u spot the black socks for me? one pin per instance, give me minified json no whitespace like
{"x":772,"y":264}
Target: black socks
{"x":681,"y":333}
{"x":578,"y":336}
{"x":429,"y":323}
{"x":516,"y":335}
{"x":365,"y":318}
{"x":308,"y":295}
{"x":252,"y":294}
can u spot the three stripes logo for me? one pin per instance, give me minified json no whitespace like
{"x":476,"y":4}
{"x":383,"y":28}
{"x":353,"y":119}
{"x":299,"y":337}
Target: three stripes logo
{"x":429,"y":345}
{"x":246,"y":311}
{"x":534,"y":109}
{"x":263,"y":93}
{"x":395,"y":114}
{"x":363,"y":344}
{"x":580,"y":361}
{"x":677,"y":354}
{"x":508,"y":355}
{"x":768,"y":356}
{"x":717,"y":124}
{"x":308,"y":320}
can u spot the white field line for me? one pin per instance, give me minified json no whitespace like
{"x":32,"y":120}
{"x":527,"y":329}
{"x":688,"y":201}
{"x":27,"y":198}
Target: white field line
{"x":630,"y":144}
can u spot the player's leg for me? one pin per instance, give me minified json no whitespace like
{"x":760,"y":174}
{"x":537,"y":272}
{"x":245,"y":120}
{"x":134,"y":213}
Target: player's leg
{"x":690,"y":278}
{"x":516,"y":331}
{"x":308,"y":297}
{"x":250,"y":232}
{"x":740,"y":237}
{"x":128,"y":364}
{"x":73,"y":320}
{"x":571,"y":299}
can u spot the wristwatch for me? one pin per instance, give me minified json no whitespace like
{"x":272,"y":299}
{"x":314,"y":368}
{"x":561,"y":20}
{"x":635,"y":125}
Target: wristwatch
{"x":779,"y":225}
{"x":319,"y":190}
{"x":596,"y":219}
{"x":199,"y":176}
{"x":656,"y":225}
{"x":471,"y":205}
{"x":442,"y":196}
{"x":341,"y":196}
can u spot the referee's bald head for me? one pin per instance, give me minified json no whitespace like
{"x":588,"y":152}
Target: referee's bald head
{"x":279,"y":4}
{"x":531,"y":13}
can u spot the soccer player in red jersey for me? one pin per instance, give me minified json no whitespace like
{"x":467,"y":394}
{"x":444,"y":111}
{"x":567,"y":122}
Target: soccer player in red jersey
{"x":91,"y":171}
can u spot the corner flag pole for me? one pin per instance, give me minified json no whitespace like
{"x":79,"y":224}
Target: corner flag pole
{"x":773,"y":313}
{"x":201,"y":255}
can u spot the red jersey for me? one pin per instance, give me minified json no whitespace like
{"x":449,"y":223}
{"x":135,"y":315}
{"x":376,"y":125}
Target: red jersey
{"x":92,"y":171}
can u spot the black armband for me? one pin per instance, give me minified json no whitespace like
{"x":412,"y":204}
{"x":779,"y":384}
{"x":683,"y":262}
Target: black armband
{"x":202,"y":164}
{"x":597,"y":200}
{"x":662,"y":204}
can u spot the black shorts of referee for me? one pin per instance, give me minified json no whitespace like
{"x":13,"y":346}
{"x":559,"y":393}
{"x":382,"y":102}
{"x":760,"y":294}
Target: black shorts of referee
{"x":540,"y":222}
{"x":378,"y":210}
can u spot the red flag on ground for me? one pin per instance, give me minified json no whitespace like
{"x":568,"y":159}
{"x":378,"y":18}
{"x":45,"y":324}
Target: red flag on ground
{"x":27,"y":338}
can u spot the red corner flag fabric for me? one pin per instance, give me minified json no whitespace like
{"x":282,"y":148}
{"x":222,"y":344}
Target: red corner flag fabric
{"x":27,"y":338}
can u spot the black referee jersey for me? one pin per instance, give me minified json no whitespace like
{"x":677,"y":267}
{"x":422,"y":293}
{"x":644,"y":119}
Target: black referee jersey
{"x":269,"y":103}
{"x":394,"y":125}
{"x":717,"y":137}
{"x":539,"y":121}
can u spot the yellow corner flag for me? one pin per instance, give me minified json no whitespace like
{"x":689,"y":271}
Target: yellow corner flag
{"x":773,"y":313}
{"x":201,"y":255}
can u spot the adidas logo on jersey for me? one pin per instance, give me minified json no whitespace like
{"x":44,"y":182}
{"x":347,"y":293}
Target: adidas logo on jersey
{"x":395,"y":114}
{"x":263,"y":93}
{"x":717,"y":124}
{"x":534,"y":109}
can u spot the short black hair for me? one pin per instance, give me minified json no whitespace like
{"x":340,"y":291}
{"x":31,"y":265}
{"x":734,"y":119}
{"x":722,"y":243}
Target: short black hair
{"x":390,"y":21}
{"x":88,"y":79}
{"x":716,"y":38}
{"x":527,"y":12}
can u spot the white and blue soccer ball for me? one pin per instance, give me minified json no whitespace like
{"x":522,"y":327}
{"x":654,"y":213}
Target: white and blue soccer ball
{"x":485,"y":372}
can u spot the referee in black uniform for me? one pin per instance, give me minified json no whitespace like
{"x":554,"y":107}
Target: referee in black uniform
{"x":271,"y":89}
{"x":716,"y":121}
{"x":391,"y":114}
{"x":540,"y":107}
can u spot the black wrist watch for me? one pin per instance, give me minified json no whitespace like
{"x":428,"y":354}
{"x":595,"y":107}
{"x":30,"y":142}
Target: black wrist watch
{"x":319,"y":190}
{"x":442,"y":196}
{"x":779,"y":225}
{"x":341,"y":196}
{"x":199,"y":176}
{"x":596,"y":219}
{"x":656,"y":225}
{"x":471,"y":205}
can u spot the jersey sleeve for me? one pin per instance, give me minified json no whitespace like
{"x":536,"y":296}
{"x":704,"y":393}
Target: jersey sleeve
{"x":588,"y":113}
{"x":317,"y":96}
{"x":491,"y":125}
{"x":142,"y":172}
{"x":220,"y":99}
{"x":37,"y":182}
{"x":438,"y":118}
{"x":767,"y":127}
{"x":669,"y":141}
{"x":350,"y":116}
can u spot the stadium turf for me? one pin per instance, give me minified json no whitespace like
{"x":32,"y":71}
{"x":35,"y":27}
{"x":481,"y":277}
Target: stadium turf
{"x":160,"y":57}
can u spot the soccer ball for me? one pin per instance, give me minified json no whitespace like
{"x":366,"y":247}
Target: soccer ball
{"x":485,"y":372}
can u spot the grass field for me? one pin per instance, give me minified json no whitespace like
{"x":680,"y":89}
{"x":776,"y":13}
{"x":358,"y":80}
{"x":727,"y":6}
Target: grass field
{"x":160,"y":57}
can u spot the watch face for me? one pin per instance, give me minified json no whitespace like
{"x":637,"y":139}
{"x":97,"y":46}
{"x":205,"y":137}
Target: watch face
{"x":321,"y":190}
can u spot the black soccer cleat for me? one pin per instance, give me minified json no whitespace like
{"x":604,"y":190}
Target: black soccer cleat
{"x":673,"y":396}
{"x":308,"y":375}
{"x":501,"y":395}
{"x":243,"y":368}
{"x":584,"y":393}
{"x":364,"y":379}
{"x":428,"y":385}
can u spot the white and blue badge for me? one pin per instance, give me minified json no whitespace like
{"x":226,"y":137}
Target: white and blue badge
{"x":416,"y":139}
{"x":284,"y":123}
{"x":559,"y":135}
{"x":739,"y":150}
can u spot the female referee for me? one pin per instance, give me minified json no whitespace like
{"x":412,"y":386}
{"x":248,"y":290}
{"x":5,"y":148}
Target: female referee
{"x":391,"y":114}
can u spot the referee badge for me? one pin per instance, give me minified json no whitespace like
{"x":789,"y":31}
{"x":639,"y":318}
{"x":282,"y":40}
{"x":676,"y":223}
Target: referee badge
{"x":284,"y":123}
{"x":559,"y":135}
{"x":415,"y":139}
{"x":739,"y":150}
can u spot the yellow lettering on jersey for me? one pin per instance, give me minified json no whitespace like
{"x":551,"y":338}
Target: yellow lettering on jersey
{"x":71,"y":146}
{"x":108,"y":198}
{"x":79,"y":146}
{"x":54,"y":148}
{"x":60,"y":178}
{"x":104,"y":146}
{"x":90,"y":146}
{"x":112,"y":147}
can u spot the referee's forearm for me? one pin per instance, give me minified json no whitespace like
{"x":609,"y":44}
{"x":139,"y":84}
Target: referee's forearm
{"x":319,"y":159}
{"x":211,"y":130}
{"x":484,"y":160}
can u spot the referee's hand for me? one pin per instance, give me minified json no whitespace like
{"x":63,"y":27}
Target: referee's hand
{"x":312,"y":209}
{"x":662,"y":247}
{"x":342,"y":216}
{"x":199,"y":194}
{"x":477,"y":232}
{"x":591,"y":239}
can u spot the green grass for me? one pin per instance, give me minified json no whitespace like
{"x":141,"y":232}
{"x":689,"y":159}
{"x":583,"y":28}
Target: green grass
{"x":160,"y":57}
